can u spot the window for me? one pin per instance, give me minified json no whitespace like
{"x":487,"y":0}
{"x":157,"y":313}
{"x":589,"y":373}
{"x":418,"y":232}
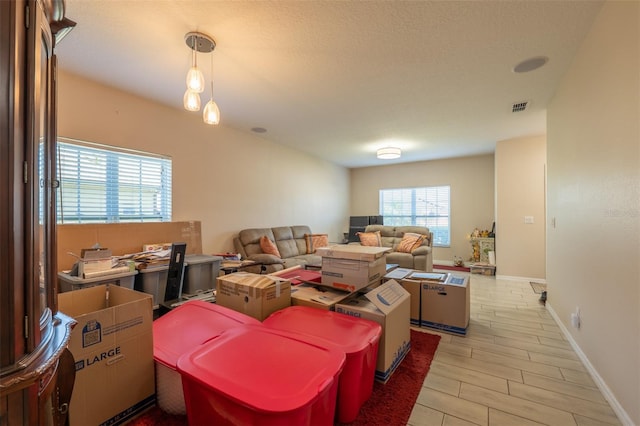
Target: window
{"x":428,"y":206}
{"x":103,"y":184}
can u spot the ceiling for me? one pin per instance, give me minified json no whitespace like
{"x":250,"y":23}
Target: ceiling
{"x":339,"y":79}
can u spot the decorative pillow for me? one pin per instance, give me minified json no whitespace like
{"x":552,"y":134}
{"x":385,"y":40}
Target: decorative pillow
{"x":269,"y":246}
{"x":315,"y":241}
{"x":372,"y":239}
{"x":410,"y":242}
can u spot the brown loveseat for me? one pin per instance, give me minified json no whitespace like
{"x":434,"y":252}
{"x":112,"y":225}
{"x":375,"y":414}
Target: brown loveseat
{"x":291,"y":244}
{"x":420,"y":258}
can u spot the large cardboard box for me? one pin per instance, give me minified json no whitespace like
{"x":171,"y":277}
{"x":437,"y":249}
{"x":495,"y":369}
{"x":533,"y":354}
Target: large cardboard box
{"x":317,"y":296}
{"x":123,"y":238}
{"x":113,"y":348}
{"x":352,"y":275}
{"x":255,"y":295}
{"x":446,"y":305}
{"x":353,"y":251}
{"x":389,"y":306}
{"x":412,"y":282}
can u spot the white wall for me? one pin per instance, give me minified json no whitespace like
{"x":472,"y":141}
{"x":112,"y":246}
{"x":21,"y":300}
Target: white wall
{"x":593,"y":160}
{"x":520,"y":192}
{"x":472,"y":200}
{"x":227,"y":179}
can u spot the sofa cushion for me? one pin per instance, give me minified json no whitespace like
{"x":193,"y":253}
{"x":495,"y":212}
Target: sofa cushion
{"x":315,"y":241}
{"x":269,"y":246}
{"x":370,"y":238}
{"x":410,"y":241}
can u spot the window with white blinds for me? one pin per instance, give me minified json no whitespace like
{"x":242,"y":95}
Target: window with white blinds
{"x":104,"y":184}
{"x":427,"y":206}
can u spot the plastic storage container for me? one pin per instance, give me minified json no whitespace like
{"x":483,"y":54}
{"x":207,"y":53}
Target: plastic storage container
{"x":201,"y":272}
{"x":357,"y":338}
{"x":69,"y":282}
{"x":180,"y":331}
{"x":154,"y":282}
{"x":254,"y":375}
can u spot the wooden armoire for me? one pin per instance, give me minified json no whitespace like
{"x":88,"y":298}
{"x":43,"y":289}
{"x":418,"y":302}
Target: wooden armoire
{"x":36,"y":369}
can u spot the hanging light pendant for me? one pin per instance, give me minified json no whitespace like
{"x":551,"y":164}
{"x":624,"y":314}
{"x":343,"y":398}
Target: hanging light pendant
{"x":195,"y":78}
{"x":211,"y":113}
{"x":191,"y":100}
{"x":202,"y":43}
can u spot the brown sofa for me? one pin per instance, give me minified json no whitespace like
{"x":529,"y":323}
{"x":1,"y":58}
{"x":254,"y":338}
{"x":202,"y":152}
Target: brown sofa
{"x":291,"y":244}
{"x":420,"y":259}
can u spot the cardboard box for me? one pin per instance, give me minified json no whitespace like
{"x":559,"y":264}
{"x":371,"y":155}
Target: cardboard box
{"x":123,"y":238}
{"x":113,"y":348}
{"x":389,"y":306}
{"x":352,"y":275}
{"x":412,"y":282}
{"x":446,"y":305}
{"x":353,"y":251}
{"x":317,"y":296}
{"x":397,"y":274}
{"x":255,"y":295}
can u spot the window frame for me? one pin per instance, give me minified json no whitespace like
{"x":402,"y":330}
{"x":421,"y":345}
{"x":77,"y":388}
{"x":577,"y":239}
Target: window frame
{"x":433,"y":221}
{"x":119,"y":176}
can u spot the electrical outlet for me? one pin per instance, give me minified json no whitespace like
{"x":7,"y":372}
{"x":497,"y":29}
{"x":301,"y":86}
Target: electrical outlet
{"x":528,"y":219}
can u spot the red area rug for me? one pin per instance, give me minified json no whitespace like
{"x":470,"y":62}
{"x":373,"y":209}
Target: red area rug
{"x":452,"y":268}
{"x":390,"y":403}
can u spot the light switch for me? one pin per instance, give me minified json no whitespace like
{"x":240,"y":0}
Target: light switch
{"x":528,"y":219}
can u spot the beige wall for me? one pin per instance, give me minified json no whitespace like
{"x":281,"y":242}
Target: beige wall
{"x":520,"y":192}
{"x":227,"y":179}
{"x":472,"y":188}
{"x":593,"y":159}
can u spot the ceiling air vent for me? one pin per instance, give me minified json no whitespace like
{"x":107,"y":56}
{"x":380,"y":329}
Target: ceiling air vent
{"x":519,"y":106}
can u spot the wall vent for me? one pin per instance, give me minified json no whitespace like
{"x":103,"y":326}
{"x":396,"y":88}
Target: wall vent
{"x":519,"y":106}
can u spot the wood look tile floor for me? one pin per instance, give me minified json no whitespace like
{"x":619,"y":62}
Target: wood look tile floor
{"x":514,"y":367}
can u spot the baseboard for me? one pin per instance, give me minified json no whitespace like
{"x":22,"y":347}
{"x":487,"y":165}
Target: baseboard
{"x":606,"y":392}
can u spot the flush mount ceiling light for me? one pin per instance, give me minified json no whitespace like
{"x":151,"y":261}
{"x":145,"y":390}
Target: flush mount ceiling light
{"x":199,"y":42}
{"x":388,"y":153}
{"x":531,"y":64}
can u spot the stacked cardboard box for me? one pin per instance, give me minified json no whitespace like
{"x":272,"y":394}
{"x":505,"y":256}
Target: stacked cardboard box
{"x":352,"y":267}
{"x":252,"y":294}
{"x":113,"y":348}
{"x":388,"y":305}
{"x":439,"y":300}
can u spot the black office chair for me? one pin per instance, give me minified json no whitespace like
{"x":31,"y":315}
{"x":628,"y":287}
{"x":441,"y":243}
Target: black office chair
{"x":175,"y":274}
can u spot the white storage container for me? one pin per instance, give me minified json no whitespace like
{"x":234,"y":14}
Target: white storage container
{"x":154,"y":282}
{"x":68,"y":282}
{"x":201,"y":272}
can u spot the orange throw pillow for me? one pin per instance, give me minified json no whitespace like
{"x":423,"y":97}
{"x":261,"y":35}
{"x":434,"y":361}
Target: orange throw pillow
{"x":410,"y":242}
{"x":371,"y":239}
{"x":268,"y":246}
{"x":315,"y":241}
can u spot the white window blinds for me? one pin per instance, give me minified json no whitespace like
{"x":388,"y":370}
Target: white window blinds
{"x":426,"y":206}
{"x":103,"y":184}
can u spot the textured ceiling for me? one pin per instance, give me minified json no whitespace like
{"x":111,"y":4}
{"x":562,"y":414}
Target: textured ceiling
{"x":340,"y":79}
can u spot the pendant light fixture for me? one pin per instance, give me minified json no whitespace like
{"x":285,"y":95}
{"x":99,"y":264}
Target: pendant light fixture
{"x":211,"y":113}
{"x":197,"y":42}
